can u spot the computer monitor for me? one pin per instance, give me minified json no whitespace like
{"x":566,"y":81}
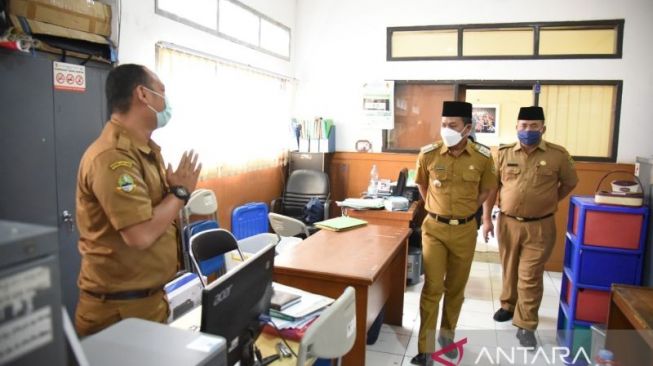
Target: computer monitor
{"x":232,"y":305}
{"x":401,"y":183}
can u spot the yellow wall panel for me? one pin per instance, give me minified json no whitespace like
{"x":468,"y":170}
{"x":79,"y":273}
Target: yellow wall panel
{"x":577,"y":41}
{"x":497,"y":42}
{"x":428,"y":43}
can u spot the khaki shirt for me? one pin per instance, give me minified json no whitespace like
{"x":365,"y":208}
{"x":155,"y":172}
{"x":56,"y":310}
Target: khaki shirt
{"x":529,"y":182}
{"x":118,"y":185}
{"x":455,"y":182}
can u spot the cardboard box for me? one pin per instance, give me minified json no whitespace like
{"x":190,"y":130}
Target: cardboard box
{"x":82,"y":15}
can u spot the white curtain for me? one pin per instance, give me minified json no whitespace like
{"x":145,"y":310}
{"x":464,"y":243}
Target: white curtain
{"x":235,"y":117}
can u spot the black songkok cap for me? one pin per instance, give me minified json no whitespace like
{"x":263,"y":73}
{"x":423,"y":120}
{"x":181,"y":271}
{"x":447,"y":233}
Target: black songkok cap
{"x":456,"y":109}
{"x":531,"y":114}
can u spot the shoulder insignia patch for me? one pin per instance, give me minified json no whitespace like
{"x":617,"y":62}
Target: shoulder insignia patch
{"x":121,"y":163}
{"x":125,"y":183}
{"x":484,"y":150}
{"x":572,"y":163}
{"x":430,"y":147}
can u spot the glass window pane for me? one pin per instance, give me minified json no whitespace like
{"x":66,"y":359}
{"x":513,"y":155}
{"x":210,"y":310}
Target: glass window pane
{"x":275,"y":38}
{"x":238,"y":22}
{"x":201,"y":12}
{"x":418,"y":112}
{"x":427,"y":43}
{"x":580,"y":117}
{"x":498,"y":42}
{"x":507,"y":103}
{"x":570,"y":41}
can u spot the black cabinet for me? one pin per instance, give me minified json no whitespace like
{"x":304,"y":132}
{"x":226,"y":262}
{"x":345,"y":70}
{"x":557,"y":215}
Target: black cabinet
{"x":310,"y":161}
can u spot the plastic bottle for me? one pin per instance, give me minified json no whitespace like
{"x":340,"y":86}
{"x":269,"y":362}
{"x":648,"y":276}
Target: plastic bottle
{"x":604,"y":358}
{"x":372,"y":188}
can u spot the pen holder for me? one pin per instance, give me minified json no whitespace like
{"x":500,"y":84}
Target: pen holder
{"x":304,"y":145}
{"x":328,"y":144}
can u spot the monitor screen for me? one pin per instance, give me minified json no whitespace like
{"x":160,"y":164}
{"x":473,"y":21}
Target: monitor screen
{"x":401,"y":183}
{"x":232,"y":304}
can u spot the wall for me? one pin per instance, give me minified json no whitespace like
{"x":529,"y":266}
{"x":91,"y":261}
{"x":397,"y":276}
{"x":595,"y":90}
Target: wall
{"x":511,"y":101}
{"x":141,"y":29}
{"x":342,"y":44}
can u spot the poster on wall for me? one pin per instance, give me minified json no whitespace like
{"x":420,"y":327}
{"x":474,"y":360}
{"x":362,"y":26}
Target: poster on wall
{"x":485,"y":118}
{"x":378,"y":104}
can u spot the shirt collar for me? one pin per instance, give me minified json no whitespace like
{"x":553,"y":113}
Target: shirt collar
{"x":123,"y":134}
{"x":468,"y":148}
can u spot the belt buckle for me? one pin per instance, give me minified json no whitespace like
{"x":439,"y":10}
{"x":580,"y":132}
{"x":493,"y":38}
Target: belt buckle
{"x":454,"y":222}
{"x":519,"y":218}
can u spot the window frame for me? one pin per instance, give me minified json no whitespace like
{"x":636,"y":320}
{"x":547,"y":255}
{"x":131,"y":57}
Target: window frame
{"x":461,"y":85}
{"x":617,"y":24}
{"x":216,"y":32}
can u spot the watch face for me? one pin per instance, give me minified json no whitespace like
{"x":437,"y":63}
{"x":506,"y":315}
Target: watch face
{"x":180,"y":191}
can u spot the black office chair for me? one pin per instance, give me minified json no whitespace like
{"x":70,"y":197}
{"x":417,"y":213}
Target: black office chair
{"x":303,"y":185}
{"x":207,"y":249}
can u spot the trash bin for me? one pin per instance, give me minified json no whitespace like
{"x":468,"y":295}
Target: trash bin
{"x":413,"y":265}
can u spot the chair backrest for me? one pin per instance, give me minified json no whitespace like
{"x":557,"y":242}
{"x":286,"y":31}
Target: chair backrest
{"x":249,"y":219}
{"x":302,"y":185}
{"x":207,"y":250}
{"x":284,"y":225}
{"x":333,"y":334}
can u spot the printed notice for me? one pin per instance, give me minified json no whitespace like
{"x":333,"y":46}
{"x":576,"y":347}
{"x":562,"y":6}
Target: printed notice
{"x":69,"y":77}
{"x":378,"y":104}
{"x":25,"y":334}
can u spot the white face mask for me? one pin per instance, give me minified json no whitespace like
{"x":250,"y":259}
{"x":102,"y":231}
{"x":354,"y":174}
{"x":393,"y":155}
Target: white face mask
{"x":450,"y":137}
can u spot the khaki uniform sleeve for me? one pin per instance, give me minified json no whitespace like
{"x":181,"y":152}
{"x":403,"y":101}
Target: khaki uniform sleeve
{"x":422,"y":172}
{"x":568,"y":176}
{"x":489,"y":178}
{"x":117,"y":183}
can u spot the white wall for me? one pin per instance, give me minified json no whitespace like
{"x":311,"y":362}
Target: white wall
{"x":141,"y":28}
{"x":339,"y":45}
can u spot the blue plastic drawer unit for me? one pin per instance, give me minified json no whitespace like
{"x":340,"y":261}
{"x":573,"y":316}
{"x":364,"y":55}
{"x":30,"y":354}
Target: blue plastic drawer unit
{"x":249,"y":219}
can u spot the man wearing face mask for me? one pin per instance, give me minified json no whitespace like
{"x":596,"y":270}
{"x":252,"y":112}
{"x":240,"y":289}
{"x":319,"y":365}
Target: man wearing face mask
{"x":533,"y":176}
{"x":454,"y":177}
{"x":127,"y":201}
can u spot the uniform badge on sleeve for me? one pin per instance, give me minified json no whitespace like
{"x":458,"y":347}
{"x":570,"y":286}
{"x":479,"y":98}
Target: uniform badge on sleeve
{"x":125,"y":183}
{"x":121,"y":163}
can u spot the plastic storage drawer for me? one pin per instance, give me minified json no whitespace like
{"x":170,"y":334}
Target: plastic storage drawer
{"x":591,"y":305}
{"x":610,"y":229}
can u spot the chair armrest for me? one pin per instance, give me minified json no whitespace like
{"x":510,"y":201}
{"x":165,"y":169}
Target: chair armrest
{"x":275,"y":205}
{"x":327,"y":205}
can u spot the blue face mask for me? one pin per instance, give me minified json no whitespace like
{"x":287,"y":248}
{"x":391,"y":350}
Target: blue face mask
{"x":529,"y":137}
{"x":163,"y":117}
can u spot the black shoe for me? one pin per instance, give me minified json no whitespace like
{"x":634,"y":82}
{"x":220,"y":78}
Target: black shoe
{"x":419,"y":359}
{"x":502,"y":315}
{"x":526,"y":338}
{"x":444,"y":342}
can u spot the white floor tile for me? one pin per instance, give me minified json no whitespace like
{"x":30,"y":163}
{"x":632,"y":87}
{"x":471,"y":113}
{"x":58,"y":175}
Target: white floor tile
{"x":477,"y":305}
{"x":373,"y":358}
{"x":405,"y":329}
{"x":390,"y":342}
{"x":476,"y":320}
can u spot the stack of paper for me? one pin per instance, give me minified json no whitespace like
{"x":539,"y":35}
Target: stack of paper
{"x":361,"y":203}
{"x":341,"y":223}
{"x":295,"y":319}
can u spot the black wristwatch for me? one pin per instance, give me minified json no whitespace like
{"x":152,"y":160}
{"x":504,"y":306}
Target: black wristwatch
{"x":180,"y":192}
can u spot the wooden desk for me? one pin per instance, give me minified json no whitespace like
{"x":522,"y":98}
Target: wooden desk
{"x":372,"y":259}
{"x":390,"y":218}
{"x":630,"y":325}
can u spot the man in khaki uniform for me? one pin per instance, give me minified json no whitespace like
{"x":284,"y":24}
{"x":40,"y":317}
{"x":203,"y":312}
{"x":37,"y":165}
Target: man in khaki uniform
{"x":454,"y":177}
{"x":534,"y":176}
{"x":126,"y":204}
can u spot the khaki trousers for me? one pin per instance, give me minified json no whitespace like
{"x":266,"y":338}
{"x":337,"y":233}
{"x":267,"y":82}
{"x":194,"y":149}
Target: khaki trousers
{"x":524,"y":248}
{"x":94,"y":314}
{"x":448,"y":251}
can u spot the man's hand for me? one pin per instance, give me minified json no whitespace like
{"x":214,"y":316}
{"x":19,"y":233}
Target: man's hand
{"x":488,"y":228}
{"x":187,"y":172}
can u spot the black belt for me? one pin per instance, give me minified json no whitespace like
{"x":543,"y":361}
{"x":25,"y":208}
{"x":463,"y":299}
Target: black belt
{"x":527,"y":219}
{"x":452,"y":221}
{"x":124,"y":295}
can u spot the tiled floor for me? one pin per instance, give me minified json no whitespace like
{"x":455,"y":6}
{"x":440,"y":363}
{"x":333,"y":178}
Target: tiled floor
{"x":397,"y":345}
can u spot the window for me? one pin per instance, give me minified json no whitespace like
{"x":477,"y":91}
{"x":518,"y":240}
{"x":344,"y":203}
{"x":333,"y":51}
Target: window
{"x":234,"y":116}
{"x":232,"y":20}
{"x":582,"y":116}
{"x":582,"y":39}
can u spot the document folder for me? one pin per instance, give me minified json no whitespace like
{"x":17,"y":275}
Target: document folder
{"x":341,"y":223}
